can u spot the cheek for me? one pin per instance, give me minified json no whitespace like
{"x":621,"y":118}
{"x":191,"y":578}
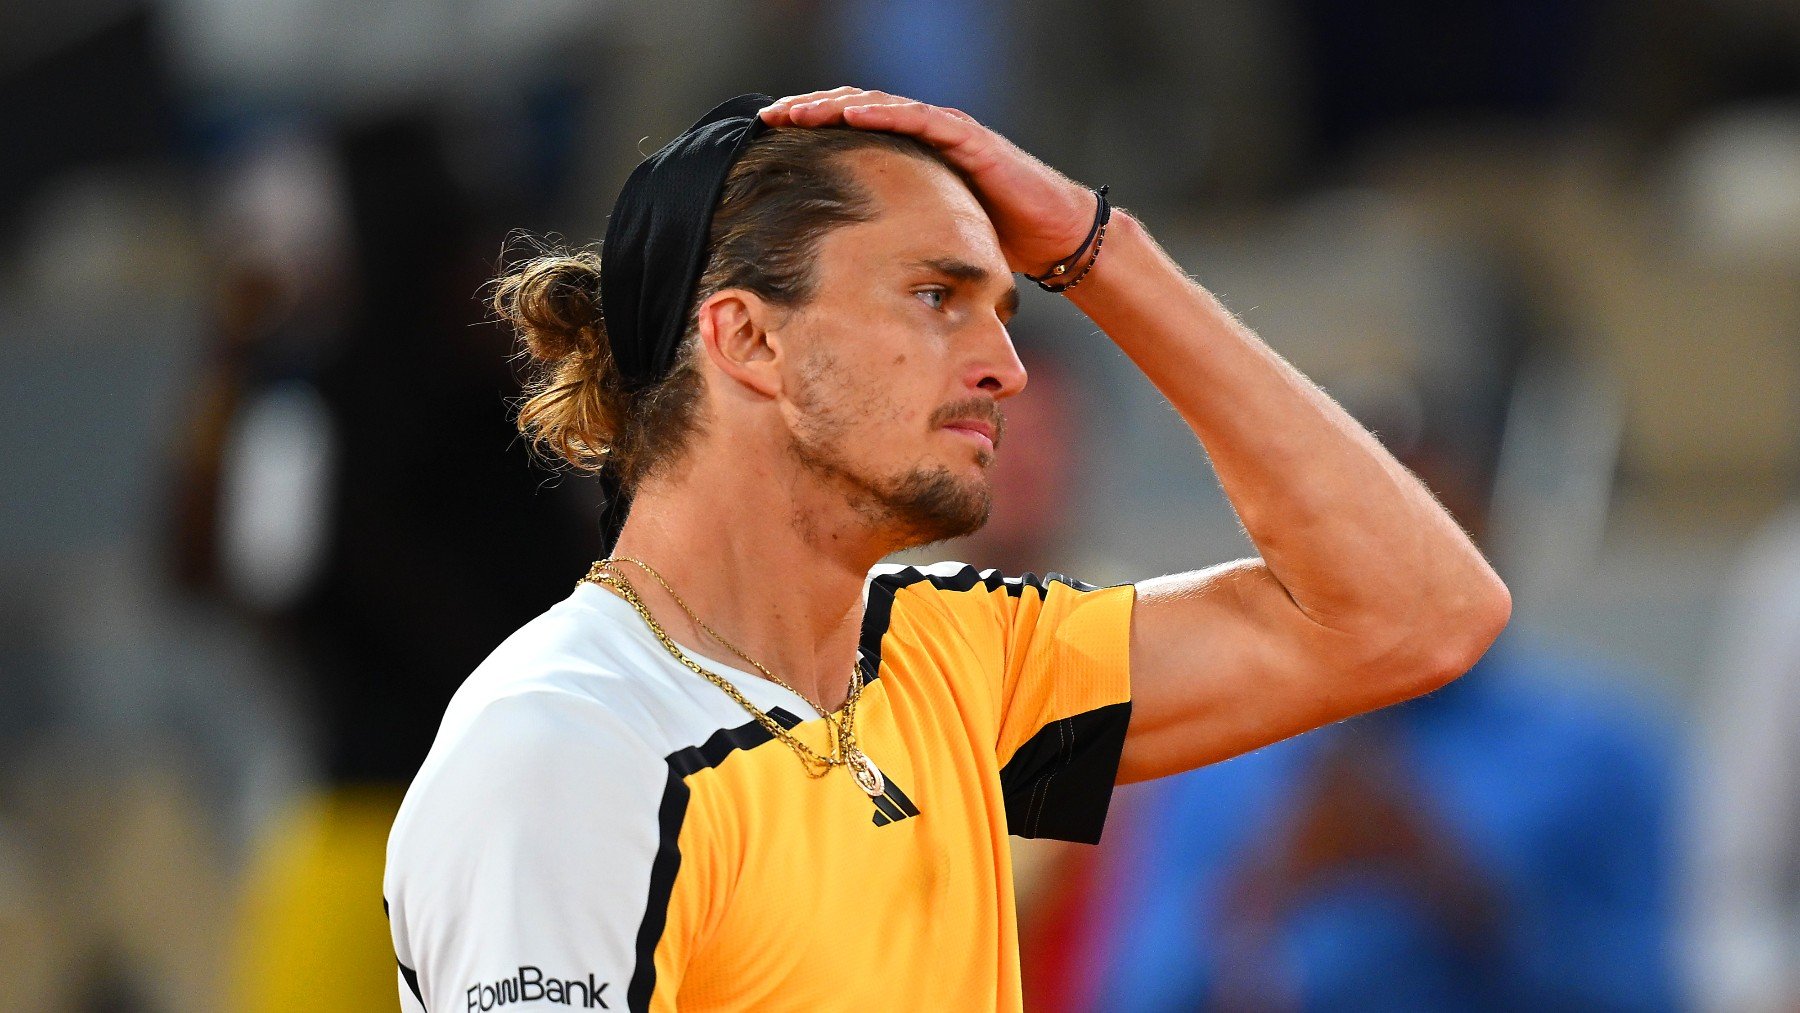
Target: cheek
{"x":876,"y":386}
{"x":876,"y":409}
{"x":850,"y":407}
{"x":888,"y":392}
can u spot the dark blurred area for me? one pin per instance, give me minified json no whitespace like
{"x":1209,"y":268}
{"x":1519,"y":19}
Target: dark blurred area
{"x":265,"y":505}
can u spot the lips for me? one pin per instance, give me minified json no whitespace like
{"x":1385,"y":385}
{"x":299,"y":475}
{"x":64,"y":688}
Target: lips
{"x":977,"y":420}
{"x":976,"y":428}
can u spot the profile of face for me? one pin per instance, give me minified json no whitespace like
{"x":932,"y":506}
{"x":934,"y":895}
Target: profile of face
{"x":896,"y":368}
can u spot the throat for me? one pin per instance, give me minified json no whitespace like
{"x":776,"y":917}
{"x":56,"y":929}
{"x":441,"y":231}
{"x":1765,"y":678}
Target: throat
{"x":743,"y":585}
{"x":826,"y":676}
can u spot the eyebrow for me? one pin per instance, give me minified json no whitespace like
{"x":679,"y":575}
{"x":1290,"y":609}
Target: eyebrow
{"x":973,"y":274}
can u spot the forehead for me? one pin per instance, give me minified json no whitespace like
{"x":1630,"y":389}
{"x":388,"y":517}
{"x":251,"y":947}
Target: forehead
{"x":923,"y":211}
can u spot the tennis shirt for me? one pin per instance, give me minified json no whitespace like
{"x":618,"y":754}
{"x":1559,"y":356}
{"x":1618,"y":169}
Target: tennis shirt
{"x":598,"y":827}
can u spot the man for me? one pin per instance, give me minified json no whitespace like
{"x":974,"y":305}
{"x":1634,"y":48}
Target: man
{"x":794,"y":370}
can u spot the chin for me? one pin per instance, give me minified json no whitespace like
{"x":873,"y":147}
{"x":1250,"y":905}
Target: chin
{"x":932,"y":505}
{"x":927,"y":504}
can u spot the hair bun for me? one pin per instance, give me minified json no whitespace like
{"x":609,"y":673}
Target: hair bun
{"x":553,"y":304}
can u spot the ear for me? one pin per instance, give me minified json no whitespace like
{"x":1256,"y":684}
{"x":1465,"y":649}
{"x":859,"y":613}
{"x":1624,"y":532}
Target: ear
{"x":736,"y":329}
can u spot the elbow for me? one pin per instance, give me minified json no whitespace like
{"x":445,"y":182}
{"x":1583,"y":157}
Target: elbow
{"x":1460,"y":629}
{"x":1435,"y":642}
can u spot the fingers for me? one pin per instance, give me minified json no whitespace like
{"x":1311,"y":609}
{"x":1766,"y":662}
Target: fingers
{"x":943,"y":128}
{"x":821,"y":108}
{"x":780,"y":106}
{"x":938,"y":127}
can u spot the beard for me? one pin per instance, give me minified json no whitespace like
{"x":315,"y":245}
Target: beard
{"x":916,"y":507}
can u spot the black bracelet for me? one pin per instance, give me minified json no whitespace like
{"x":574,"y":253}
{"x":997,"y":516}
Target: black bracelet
{"x":1096,"y":236}
{"x":1099,"y":241}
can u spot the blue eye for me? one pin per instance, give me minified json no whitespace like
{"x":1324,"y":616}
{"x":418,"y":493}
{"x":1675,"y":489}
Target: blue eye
{"x":937,"y":292}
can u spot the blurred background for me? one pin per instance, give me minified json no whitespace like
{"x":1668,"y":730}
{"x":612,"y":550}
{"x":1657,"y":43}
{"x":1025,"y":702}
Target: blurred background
{"x":264,"y":507}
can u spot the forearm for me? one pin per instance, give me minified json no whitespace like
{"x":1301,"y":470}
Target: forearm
{"x":1359,"y":545}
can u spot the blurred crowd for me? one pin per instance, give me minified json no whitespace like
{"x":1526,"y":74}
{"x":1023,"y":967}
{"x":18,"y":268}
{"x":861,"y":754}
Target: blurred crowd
{"x":265,"y":506}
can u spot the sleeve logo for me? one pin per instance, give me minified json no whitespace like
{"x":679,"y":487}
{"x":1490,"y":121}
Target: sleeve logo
{"x":530,"y":985}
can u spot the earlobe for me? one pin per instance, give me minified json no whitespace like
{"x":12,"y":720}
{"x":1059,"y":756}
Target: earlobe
{"x":738,"y":342}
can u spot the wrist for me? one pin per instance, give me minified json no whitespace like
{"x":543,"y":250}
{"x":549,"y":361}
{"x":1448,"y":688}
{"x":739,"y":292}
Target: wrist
{"x":1068,"y":272}
{"x":1078,"y":218}
{"x":1124,"y":236}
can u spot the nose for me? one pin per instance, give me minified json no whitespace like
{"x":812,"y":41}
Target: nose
{"x":995,"y":368}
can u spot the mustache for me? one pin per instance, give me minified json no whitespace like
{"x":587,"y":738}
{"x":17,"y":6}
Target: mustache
{"x":980,"y":409}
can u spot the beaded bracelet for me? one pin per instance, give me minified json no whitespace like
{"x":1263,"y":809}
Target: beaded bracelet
{"x":1096,"y":237}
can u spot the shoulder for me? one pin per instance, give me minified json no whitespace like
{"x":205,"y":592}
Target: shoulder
{"x":541,"y":726}
{"x":583,"y":655}
{"x":963,"y":596}
{"x":533,"y":748}
{"x":931,"y":599}
{"x":567,"y":699}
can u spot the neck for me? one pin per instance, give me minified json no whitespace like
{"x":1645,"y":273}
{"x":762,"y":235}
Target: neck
{"x":768,"y":560}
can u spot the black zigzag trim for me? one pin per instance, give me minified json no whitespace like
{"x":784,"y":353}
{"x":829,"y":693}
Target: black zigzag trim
{"x":878,"y":613}
{"x":967,"y":578}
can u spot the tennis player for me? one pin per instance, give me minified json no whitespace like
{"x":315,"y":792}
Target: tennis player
{"x":742,"y":766}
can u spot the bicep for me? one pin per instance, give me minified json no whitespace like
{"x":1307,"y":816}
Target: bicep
{"x":1223,"y":662}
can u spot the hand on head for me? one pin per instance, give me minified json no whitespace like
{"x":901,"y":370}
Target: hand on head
{"x":1040,"y":214}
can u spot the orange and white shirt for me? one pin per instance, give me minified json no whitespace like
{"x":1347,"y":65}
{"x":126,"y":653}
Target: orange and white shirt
{"x":598,"y":827}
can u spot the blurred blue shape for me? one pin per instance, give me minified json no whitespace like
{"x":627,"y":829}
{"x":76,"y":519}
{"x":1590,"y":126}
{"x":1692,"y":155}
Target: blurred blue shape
{"x":1553,"y":786}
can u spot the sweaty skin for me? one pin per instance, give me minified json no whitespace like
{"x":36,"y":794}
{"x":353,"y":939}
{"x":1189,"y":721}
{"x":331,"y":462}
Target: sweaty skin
{"x":1364,"y":593}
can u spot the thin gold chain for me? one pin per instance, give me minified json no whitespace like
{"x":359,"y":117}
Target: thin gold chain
{"x":843,"y":747}
{"x":709,"y":631}
{"x":843,"y":729}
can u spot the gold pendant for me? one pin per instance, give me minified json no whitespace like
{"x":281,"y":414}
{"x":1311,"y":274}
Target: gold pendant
{"x":868,"y":776}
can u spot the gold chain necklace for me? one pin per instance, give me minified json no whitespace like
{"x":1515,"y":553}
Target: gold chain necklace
{"x":844,"y":750}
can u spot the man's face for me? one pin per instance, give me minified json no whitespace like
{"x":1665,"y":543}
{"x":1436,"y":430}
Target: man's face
{"x":900,"y":359}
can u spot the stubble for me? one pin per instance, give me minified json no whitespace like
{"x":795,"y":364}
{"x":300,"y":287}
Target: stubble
{"x":919,"y":506}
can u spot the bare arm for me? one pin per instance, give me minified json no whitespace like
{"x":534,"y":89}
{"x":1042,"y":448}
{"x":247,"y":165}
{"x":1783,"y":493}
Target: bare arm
{"x":1366,"y":592}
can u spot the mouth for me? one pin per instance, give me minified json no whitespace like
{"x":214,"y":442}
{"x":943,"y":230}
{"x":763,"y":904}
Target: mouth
{"x":978,"y":431}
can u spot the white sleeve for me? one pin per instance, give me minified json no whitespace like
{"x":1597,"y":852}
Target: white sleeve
{"x":520,"y":866}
